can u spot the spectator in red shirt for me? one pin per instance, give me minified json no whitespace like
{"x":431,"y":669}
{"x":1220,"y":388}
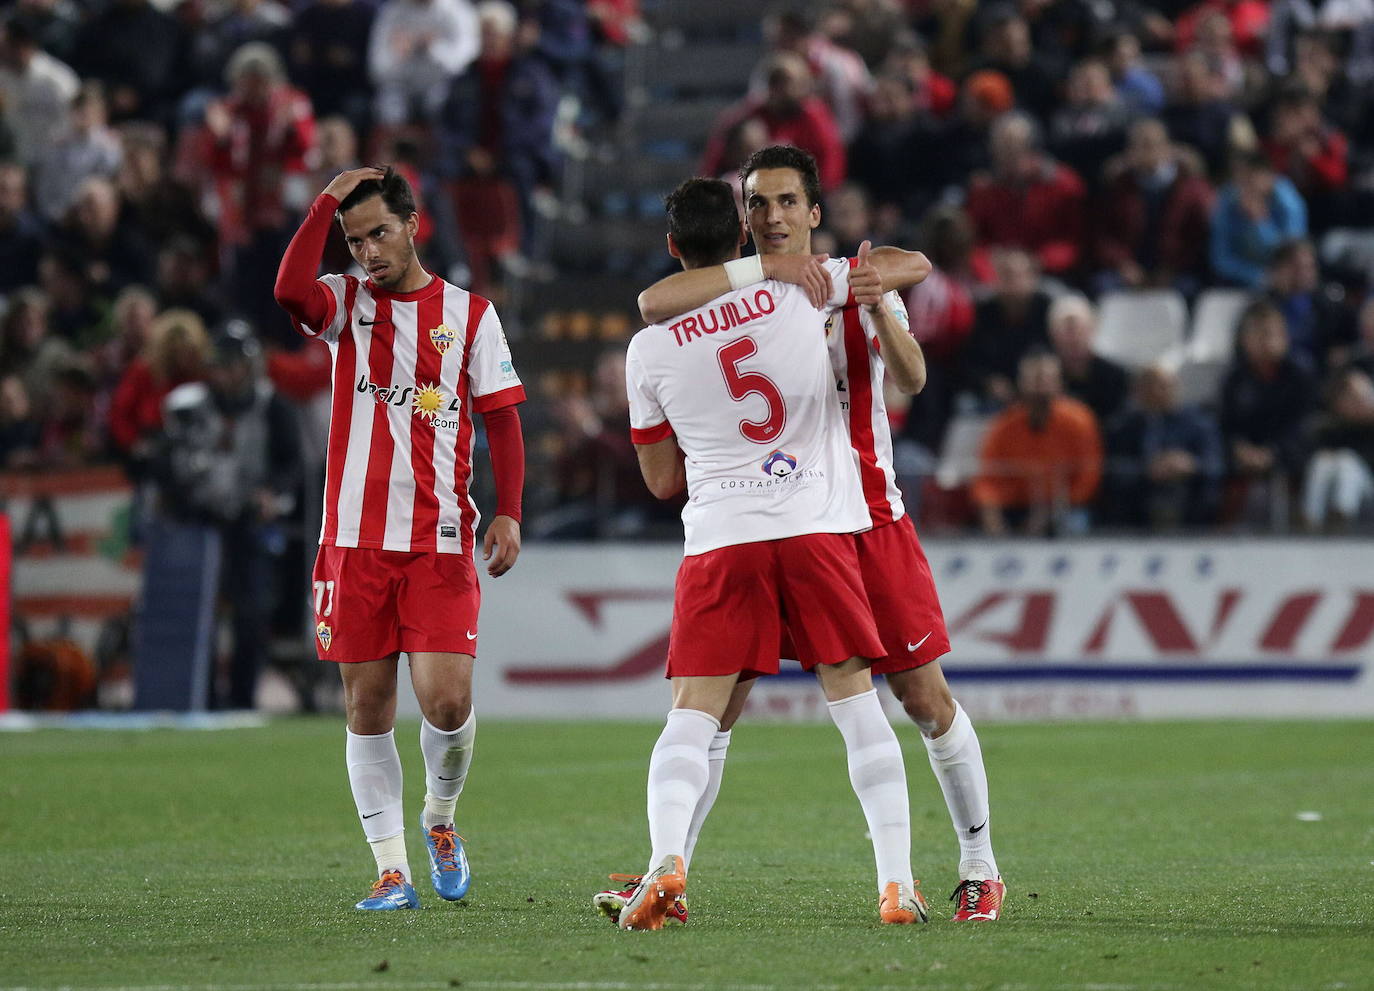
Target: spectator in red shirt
{"x":792,"y":114}
{"x":1153,"y":215}
{"x":942,"y":313}
{"x":262,"y":135}
{"x":841,"y":78}
{"x":935,"y":93}
{"x":1249,"y":20}
{"x":178,"y":352}
{"x":1028,"y":200}
{"x":1315,"y":155}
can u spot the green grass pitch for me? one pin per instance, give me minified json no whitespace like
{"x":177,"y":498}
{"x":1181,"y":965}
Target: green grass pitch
{"x":1139,"y":856}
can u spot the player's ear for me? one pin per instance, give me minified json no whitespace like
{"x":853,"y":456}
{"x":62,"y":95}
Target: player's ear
{"x":815,"y":215}
{"x":413,"y":225}
{"x":672,"y":248}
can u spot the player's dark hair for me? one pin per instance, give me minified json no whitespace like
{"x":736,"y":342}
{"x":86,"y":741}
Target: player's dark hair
{"x":786,"y":157}
{"x":704,"y":221}
{"x":393,"y":188}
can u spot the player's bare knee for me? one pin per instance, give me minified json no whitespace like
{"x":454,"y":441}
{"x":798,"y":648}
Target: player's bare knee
{"x":449,"y":712}
{"x":926,"y":701}
{"x":370,"y":716}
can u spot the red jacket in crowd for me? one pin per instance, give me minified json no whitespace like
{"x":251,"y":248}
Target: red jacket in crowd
{"x":1045,"y":217}
{"x":265,"y":142}
{"x":1122,"y":220}
{"x":812,"y":129}
{"x":1325,"y":169}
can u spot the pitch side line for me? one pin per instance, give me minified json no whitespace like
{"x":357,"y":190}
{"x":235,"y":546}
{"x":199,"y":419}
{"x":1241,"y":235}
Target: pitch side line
{"x":641,"y":986}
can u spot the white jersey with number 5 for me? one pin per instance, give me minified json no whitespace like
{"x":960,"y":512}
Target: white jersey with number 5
{"x":746,"y":386}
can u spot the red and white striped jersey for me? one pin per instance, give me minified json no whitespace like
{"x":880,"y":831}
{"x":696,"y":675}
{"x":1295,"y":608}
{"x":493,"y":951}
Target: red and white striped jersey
{"x":409,"y":370}
{"x":859,"y":373}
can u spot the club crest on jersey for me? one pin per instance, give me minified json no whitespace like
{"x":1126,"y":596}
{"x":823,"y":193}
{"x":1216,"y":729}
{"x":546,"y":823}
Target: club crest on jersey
{"x":325,"y":634}
{"x":779,"y":464}
{"x":442,"y":338}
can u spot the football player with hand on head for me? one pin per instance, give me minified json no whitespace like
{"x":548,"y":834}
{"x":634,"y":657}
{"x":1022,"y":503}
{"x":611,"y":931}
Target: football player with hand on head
{"x":868,"y":340}
{"x":414,"y":357}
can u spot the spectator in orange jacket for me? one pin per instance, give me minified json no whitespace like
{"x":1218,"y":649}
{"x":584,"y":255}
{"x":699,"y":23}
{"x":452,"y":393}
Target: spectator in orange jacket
{"x":1028,"y":200}
{"x":1041,"y":460}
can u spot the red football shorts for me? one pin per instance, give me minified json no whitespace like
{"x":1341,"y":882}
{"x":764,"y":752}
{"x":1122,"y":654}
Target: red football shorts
{"x":370,"y":603}
{"x":901,"y":591}
{"x":730,"y":606}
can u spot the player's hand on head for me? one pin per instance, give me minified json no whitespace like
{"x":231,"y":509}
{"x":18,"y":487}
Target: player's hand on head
{"x":501,"y":546}
{"x":345,"y":182}
{"x":807,"y":271}
{"x":864,"y":280}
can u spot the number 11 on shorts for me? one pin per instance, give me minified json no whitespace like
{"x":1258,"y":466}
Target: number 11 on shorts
{"x":324,"y":598}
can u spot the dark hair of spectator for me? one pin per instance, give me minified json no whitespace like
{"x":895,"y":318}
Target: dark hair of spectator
{"x":1296,"y":96}
{"x":393,"y":188}
{"x":1259,"y":309}
{"x":1252,"y":159}
{"x":704,"y":221}
{"x":1037,"y":353}
{"x":786,"y":157}
{"x":19,"y":32}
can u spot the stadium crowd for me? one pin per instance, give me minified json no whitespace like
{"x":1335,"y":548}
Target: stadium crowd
{"x":1051,"y":157}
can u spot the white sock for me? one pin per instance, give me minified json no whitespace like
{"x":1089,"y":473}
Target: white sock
{"x":879,"y":778}
{"x":715,"y":770}
{"x":374,"y":773}
{"x":678,"y":775}
{"x":448,"y":755}
{"x":957,"y":760}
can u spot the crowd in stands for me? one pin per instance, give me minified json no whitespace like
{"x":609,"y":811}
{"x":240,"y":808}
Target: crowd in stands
{"x":155,"y":158}
{"x":1048,"y":156}
{"x":1056,"y":158}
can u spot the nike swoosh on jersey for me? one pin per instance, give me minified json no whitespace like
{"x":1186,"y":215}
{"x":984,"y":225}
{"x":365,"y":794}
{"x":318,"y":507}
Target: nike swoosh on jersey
{"x":471,"y":635}
{"x":913,"y":647}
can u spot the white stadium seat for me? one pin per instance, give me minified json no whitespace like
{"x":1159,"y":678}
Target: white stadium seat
{"x":1216,"y":315}
{"x":1199,"y":382}
{"x":960,"y":450}
{"x":1138,"y":328}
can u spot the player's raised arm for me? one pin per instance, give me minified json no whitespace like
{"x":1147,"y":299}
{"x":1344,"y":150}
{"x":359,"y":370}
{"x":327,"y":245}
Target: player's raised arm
{"x":296,"y":290}
{"x":902,"y":355}
{"x":695,"y":287}
{"x":900,"y":269}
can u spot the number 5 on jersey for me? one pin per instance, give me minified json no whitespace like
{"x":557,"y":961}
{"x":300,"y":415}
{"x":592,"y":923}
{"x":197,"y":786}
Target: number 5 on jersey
{"x":742,"y":385}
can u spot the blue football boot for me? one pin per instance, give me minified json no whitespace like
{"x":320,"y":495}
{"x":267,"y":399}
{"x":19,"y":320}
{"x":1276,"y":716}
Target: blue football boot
{"x":390,"y":891}
{"x":448,"y":863}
